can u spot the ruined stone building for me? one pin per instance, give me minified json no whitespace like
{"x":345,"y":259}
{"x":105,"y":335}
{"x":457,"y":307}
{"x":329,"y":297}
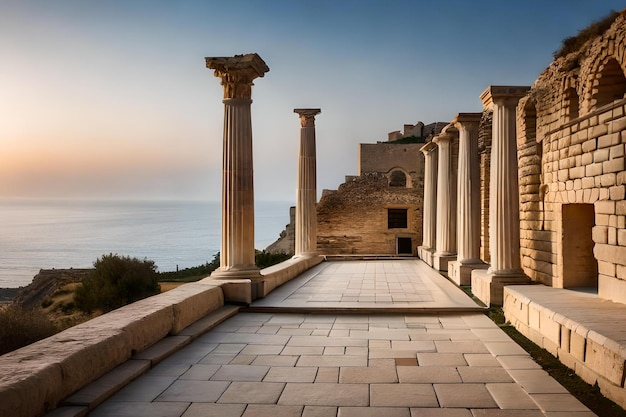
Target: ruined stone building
{"x":571,"y":134}
{"x":378,"y":211}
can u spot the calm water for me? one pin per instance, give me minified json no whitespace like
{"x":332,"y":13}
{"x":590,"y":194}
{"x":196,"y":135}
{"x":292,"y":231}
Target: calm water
{"x":44,"y":234}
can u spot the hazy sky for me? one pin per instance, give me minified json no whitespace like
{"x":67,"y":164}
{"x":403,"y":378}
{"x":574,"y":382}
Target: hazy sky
{"x":111,"y":99}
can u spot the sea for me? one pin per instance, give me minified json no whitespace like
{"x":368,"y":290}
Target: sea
{"x":45,"y":234}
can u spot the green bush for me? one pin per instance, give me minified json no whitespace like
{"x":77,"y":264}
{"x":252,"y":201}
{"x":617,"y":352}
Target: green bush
{"x":264,"y":259}
{"x":20,"y":327}
{"x":116,"y":281}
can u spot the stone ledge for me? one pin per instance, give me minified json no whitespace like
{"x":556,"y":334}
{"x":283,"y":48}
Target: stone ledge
{"x":277,"y":275}
{"x":586,"y":333}
{"x":35,"y":378}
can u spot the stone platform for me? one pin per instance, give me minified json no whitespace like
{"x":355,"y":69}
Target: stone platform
{"x":586,"y":333}
{"x":342,"y":364}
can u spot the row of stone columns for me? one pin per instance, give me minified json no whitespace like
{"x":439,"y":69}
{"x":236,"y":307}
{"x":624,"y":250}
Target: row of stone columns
{"x":452,"y":208}
{"x":237,"y":256}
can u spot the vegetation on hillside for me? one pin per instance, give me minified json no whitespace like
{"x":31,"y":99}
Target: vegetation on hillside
{"x":117,"y":281}
{"x":263,"y":259}
{"x":409,"y":139}
{"x":595,"y":29}
{"x":20,"y":327}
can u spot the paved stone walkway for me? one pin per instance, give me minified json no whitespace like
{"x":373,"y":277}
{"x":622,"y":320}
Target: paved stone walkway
{"x":342,"y":365}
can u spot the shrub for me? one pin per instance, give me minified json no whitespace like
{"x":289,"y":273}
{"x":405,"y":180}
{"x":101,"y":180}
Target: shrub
{"x":117,"y":281}
{"x":595,"y":29}
{"x":264,"y":259}
{"x":20,"y":327}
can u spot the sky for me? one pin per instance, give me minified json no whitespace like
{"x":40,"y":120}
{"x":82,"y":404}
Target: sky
{"x":112,"y":99}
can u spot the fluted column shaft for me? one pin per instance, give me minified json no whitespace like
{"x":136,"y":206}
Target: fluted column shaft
{"x":446,"y":196}
{"x":306,"y":215}
{"x":237,"y":249}
{"x":504,"y":191}
{"x":430,"y":198}
{"x":468,"y":193}
{"x":237,"y":187}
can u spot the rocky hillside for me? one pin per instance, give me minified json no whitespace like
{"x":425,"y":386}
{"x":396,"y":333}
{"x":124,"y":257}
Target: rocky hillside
{"x":45,"y":283}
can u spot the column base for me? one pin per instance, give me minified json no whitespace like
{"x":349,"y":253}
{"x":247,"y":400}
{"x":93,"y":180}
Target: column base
{"x":426,"y":254}
{"x":236,"y":273}
{"x":488,"y":287}
{"x":461,"y":274}
{"x":440,"y":262}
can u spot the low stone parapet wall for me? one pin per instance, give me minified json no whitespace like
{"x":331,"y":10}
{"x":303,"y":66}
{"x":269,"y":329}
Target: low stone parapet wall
{"x":35,"y":378}
{"x":277,"y":275}
{"x":585,"y":333}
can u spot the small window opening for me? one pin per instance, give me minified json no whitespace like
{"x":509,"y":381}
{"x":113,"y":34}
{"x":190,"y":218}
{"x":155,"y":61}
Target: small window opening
{"x":397,"y":218}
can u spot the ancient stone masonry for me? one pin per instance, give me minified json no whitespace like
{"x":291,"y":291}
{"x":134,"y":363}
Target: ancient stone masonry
{"x":355,"y":218}
{"x":571,"y":136}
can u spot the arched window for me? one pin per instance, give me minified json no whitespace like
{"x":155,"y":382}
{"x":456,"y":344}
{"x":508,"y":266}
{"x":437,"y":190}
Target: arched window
{"x":570,"y":103}
{"x":610,"y":84}
{"x":530,"y":121}
{"x":397,"y":179}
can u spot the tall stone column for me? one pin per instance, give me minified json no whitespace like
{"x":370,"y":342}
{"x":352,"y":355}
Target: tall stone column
{"x":468,"y":200}
{"x":446,"y":204}
{"x":429,"y":231}
{"x":504,"y":227}
{"x":306,"y":215}
{"x":237,"y":253}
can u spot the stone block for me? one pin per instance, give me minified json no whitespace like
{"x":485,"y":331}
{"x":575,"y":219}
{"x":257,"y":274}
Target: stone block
{"x":609,"y":140}
{"x":565,"y":339}
{"x":621,"y":238}
{"x":589,"y":145}
{"x":618,"y":125}
{"x":604,"y":207}
{"x":607,"y":180}
{"x":601,"y":155}
{"x":577,"y":172}
{"x":577,"y":346}
{"x":616,"y":151}
{"x":613,"y":165}
{"x":606,"y":268}
{"x":549,"y":327}
{"x":597,"y":130}
{"x":599,"y":234}
{"x":611,"y":288}
{"x":594,"y":169}
{"x":575,"y":150}
{"x":588,"y":182}
{"x":586,"y":159}
{"x":604,"y":361}
{"x":620,"y":208}
{"x":617,"y":192}
{"x":610,"y":253}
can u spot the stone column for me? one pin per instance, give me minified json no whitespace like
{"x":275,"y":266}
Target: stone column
{"x":446,"y":204}
{"x":430,"y":203}
{"x":306,"y":215}
{"x":504,"y":227}
{"x":237,"y":253}
{"x":468,"y":200}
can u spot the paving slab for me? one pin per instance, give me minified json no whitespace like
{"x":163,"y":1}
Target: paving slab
{"x":366,"y":285}
{"x":368,"y":359}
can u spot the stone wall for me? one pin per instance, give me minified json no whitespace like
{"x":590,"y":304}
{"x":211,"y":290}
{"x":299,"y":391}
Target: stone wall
{"x":571,"y":132}
{"x":484,"y":149}
{"x":353,"y":220}
{"x":385,"y":157}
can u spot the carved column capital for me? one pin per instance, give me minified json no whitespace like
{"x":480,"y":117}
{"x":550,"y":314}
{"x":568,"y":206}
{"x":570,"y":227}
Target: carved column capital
{"x":237,"y":73}
{"x":503,"y":95}
{"x":467,"y":121}
{"x":307,"y":116}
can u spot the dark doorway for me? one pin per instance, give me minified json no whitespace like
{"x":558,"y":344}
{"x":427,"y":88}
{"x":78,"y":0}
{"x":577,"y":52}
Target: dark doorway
{"x":580,"y":268}
{"x":405,"y":246}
